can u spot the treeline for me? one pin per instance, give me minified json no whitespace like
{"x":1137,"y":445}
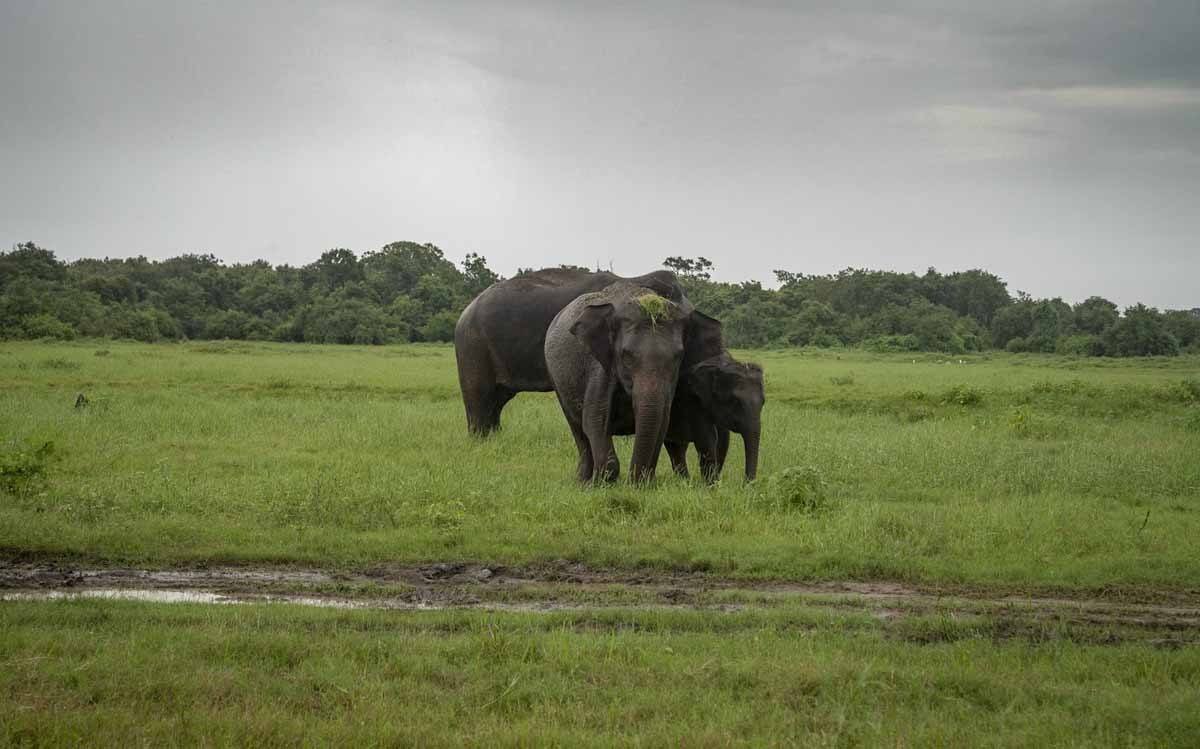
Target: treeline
{"x":953,"y":313}
{"x":411,"y":292}
{"x":404,"y":292}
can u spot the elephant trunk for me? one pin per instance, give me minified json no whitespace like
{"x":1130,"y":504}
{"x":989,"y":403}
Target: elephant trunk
{"x":652,"y":413}
{"x":750,"y":441}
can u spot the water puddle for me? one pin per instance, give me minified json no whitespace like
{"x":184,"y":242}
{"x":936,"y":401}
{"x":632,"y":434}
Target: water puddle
{"x":152,"y":596}
{"x":386,"y":604}
{"x":190,"y":596}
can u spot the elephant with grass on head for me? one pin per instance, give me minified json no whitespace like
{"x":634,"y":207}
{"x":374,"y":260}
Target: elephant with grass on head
{"x":624,"y":340}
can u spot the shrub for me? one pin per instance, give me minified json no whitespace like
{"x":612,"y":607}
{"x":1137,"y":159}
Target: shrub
{"x":887,"y":344}
{"x":58,"y":362}
{"x":448,"y":517}
{"x":623,"y":502}
{"x":440,"y":327}
{"x":46,"y":326}
{"x":799,"y":488}
{"x":963,"y":395}
{"x":1016,"y":346}
{"x":21,"y":465}
{"x":1080,"y":345}
{"x":1183,"y":391}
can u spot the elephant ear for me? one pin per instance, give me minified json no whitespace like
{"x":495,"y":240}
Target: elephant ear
{"x":595,"y":329}
{"x":703,"y":339}
{"x":702,"y":381}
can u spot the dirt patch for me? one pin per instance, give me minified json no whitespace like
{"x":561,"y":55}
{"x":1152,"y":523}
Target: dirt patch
{"x":926,"y":615}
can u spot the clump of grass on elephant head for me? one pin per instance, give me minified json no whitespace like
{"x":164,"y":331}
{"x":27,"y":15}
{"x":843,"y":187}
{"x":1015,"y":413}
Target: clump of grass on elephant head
{"x":655,"y":307}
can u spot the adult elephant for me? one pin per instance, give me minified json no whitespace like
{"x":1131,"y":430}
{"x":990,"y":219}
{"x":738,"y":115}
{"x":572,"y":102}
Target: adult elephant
{"x":500,"y":337}
{"x":625,"y":340}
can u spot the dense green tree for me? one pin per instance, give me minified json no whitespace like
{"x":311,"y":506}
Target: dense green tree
{"x":1050,"y":320}
{"x":1141,"y":331}
{"x":28,"y":261}
{"x":699,"y":269}
{"x":1185,"y":326}
{"x":476,"y":275}
{"x":1013,"y":322}
{"x":974,"y":293}
{"x":1095,"y":315}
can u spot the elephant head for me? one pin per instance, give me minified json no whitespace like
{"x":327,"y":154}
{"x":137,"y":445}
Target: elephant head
{"x":732,"y":392}
{"x":642,"y":340}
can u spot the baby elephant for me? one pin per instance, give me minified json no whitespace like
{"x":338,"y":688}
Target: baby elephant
{"x":720,"y":395}
{"x":715,"y":397}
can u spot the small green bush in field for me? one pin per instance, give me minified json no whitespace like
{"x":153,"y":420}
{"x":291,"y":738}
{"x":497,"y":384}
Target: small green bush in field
{"x":622,"y":501}
{"x":448,"y":517}
{"x":963,"y":395}
{"x":58,"y":362}
{"x":800,"y":488}
{"x":1182,"y":391}
{"x":22,"y":465}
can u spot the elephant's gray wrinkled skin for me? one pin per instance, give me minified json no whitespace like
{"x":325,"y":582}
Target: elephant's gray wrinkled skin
{"x":500,"y":337}
{"x":605,"y":343}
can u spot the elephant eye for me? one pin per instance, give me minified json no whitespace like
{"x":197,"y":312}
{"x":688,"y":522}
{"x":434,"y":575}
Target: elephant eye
{"x":628,"y":358}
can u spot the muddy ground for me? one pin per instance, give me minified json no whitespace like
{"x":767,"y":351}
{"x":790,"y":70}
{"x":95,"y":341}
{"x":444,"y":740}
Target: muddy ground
{"x":1159,"y":617}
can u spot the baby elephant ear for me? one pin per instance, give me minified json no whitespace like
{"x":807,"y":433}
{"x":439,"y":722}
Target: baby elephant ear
{"x":703,"y":339}
{"x":595,"y":330}
{"x":702,"y":381}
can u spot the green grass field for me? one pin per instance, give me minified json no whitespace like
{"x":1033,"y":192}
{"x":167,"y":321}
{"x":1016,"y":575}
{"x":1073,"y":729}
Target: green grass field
{"x":1003,"y":474}
{"x":122,"y":673}
{"x":1015,"y":471}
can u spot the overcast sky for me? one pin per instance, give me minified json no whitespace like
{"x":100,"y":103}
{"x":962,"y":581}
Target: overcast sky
{"x":1056,"y":144}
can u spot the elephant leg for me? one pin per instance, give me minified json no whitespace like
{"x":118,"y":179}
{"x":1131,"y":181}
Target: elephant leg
{"x":477,"y":381}
{"x":606,"y":466}
{"x":708,"y":446}
{"x":722,"y":448}
{"x":678,"y":454}
{"x":597,"y":402}
{"x":586,"y":466}
{"x":483,"y":408}
{"x":500,"y":398}
{"x":483,"y":399}
{"x":611,"y":470}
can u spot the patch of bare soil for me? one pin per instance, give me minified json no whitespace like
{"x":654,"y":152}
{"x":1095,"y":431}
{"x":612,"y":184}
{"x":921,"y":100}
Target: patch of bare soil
{"x":1162,"y":617}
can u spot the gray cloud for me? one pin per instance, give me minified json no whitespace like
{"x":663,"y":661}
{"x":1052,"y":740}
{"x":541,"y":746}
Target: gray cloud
{"x":1057,"y":144}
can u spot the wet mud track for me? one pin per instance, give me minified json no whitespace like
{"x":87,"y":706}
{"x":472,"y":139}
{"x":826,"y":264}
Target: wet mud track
{"x":1160,"y":618}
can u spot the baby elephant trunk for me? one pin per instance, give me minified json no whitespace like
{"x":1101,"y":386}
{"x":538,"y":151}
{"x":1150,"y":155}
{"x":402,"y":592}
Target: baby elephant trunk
{"x":750,"y":440}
